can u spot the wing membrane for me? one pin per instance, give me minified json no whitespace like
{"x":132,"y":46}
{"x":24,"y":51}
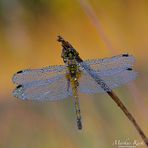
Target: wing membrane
{"x":30,"y":75}
{"x":106,"y":82}
{"x":88,"y":85}
{"x":119,"y":79}
{"x":51,"y":90}
{"x":102,"y":75}
{"x":120,"y":61}
{"x":50,"y":83}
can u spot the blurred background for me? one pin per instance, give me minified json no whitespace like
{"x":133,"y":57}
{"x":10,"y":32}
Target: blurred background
{"x":97,"y":29}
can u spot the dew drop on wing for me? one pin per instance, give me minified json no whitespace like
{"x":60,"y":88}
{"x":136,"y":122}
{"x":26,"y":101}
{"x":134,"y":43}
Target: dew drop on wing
{"x":18,"y":92}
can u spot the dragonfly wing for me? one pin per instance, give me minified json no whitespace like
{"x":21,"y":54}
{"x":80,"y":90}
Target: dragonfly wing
{"x":117,"y":79}
{"x":44,"y":90}
{"x":30,"y":75}
{"x":102,"y":75}
{"x":119,"y":61}
{"x":95,"y":82}
{"x":88,"y":85}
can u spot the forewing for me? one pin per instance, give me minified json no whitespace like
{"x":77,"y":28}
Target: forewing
{"x":30,"y":75}
{"x":45,"y":90}
{"x":120,"y":61}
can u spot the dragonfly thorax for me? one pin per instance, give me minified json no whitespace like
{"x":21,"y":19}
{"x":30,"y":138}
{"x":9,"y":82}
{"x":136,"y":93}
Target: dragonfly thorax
{"x":69,"y":54}
{"x":72,"y":68}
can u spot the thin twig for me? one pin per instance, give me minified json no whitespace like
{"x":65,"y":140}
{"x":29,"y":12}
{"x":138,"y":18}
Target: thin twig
{"x":67,"y":45}
{"x":129,"y":116}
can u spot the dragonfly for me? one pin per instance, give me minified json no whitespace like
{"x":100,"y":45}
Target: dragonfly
{"x":75,"y":76}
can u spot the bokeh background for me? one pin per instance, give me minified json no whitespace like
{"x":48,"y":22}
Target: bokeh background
{"x":97,"y":29}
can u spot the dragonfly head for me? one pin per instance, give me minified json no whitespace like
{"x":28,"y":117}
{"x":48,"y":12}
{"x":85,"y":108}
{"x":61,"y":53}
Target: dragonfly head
{"x":68,"y":52}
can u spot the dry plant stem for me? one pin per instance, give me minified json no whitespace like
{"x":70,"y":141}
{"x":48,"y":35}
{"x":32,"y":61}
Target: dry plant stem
{"x":97,"y":24}
{"x":129,"y":116}
{"x":89,"y":11}
{"x":126,"y":112}
{"x":115,"y":98}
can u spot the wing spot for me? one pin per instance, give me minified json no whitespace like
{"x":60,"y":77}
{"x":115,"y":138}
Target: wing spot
{"x":129,"y":69}
{"x":20,"y":71}
{"x":125,"y":55}
{"x":19,"y":86}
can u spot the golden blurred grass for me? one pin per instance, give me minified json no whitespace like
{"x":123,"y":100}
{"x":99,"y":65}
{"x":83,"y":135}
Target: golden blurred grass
{"x":28,"y":40}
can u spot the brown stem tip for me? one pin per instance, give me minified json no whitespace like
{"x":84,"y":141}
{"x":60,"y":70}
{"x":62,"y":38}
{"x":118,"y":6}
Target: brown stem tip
{"x":65,"y":44}
{"x":60,"y":38}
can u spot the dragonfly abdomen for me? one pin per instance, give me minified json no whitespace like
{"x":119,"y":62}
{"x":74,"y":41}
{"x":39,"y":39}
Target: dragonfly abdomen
{"x":78,"y":112}
{"x":75,"y":84}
